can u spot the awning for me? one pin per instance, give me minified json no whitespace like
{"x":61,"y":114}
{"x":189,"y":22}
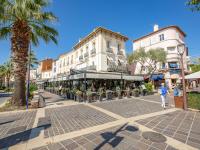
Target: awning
{"x":195,"y":75}
{"x":103,"y":76}
{"x":157,"y":77}
{"x":133,"y":78}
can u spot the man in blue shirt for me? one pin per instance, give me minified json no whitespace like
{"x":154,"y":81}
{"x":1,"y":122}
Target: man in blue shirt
{"x":163,"y":94}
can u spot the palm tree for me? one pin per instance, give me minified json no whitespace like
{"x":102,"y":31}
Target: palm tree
{"x":33,"y":59}
{"x":6,"y":71}
{"x":24,"y":21}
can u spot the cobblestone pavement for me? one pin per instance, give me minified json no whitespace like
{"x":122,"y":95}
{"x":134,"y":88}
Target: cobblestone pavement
{"x":15,"y":127}
{"x":124,"y":137}
{"x":71,"y":118}
{"x":129,"y":107}
{"x":156,"y":98}
{"x":183,"y":126}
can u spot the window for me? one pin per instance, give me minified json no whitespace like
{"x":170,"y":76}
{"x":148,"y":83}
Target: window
{"x":108,"y":44}
{"x":173,"y":65}
{"x":72,"y":60}
{"x":119,"y":63}
{"x":64,"y":62}
{"x":77,"y":54}
{"x":81,"y":51}
{"x":119,"y":47}
{"x":161,"y":37}
{"x":171,"y":48}
{"x":93,"y":45}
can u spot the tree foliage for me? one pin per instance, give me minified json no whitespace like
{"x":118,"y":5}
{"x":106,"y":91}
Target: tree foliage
{"x":6,"y":71}
{"x":194,"y":5}
{"x":148,"y":59}
{"x":33,"y":59}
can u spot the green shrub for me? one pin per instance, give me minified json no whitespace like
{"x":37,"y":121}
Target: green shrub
{"x":33,"y":87}
{"x":194,"y":100}
{"x":149,"y":87}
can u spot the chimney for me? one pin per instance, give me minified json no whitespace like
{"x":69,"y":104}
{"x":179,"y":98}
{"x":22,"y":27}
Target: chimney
{"x":155,"y":27}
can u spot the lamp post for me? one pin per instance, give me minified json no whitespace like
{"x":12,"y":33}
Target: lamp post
{"x":181,"y":50}
{"x":28,"y":77}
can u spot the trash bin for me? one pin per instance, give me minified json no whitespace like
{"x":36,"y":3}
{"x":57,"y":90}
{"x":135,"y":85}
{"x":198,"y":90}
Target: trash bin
{"x":178,"y":101}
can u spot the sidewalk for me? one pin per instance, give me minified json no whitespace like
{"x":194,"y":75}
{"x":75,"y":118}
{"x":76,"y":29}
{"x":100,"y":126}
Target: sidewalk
{"x":117,"y":124}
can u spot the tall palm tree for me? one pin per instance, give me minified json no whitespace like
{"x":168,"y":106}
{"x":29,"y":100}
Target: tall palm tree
{"x":6,"y":71}
{"x":24,"y":21}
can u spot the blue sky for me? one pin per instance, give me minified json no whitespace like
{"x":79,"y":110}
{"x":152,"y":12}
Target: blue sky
{"x":132,"y":18}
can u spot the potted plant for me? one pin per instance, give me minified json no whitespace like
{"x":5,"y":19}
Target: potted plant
{"x":73,"y":93}
{"x":89,"y":95}
{"x":136,"y":92}
{"x":108,"y":94}
{"x":118,"y":91}
{"x":101,"y":92}
{"x":79,"y":95}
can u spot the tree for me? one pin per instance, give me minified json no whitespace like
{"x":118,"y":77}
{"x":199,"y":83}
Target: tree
{"x":6,"y":71}
{"x":33,"y":59}
{"x":194,"y":5}
{"x":25,"y":22}
{"x":148,"y":60}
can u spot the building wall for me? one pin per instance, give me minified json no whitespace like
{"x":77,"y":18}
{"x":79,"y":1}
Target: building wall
{"x":172,"y":38}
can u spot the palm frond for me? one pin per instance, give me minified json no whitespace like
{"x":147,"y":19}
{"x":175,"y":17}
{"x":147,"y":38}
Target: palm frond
{"x":5,"y":32}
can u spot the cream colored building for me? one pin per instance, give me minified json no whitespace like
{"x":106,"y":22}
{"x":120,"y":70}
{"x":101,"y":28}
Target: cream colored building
{"x":167,"y":38}
{"x":100,"y":51}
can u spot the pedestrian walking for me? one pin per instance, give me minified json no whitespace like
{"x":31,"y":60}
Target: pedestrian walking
{"x":163,"y":94}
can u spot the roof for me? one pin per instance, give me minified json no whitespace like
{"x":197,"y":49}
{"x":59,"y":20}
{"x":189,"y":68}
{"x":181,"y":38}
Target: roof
{"x":161,"y":29}
{"x":96,"y":30}
{"x":195,"y":75}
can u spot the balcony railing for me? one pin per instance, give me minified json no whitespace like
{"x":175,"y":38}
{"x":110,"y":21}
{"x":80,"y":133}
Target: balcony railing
{"x":120,"y":53}
{"x":92,"y":67}
{"x":93,"y":51}
{"x":86,"y":55}
{"x":114,"y":67}
{"x":109,"y":50}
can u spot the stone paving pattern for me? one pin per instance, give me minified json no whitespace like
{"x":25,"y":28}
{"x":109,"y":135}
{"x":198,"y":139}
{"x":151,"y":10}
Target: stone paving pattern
{"x":129,"y":107}
{"x":183,"y":126}
{"x":124,"y":137}
{"x":156,"y":98}
{"x":15,"y":127}
{"x":71,"y":118}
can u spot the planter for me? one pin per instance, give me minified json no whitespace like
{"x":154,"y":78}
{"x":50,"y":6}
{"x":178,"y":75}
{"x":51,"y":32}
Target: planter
{"x":100,"y":97}
{"x":178,"y":101}
{"x":136,"y":94}
{"x":109,"y":95}
{"x":79,"y":98}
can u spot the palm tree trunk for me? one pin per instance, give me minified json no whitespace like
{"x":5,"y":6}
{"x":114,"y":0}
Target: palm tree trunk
{"x":20,"y":41}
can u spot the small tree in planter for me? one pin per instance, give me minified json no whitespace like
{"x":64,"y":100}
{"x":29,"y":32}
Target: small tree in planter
{"x":108,"y":94}
{"x":118,"y":91}
{"x":149,"y":87}
{"x":79,"y":95}
{"x":68,"y":93}
{"x":73,"y":93}
{"x":136,"y":92}
{"x":89,"y":95}
{"x":101,"y":92}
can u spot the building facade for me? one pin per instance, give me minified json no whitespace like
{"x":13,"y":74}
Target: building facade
{"x":44,"y":70}
{"x":167,"y":38}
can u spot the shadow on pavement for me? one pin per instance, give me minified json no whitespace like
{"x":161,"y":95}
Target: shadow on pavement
{"x":21,"y":137}
{"x":112,"y":138}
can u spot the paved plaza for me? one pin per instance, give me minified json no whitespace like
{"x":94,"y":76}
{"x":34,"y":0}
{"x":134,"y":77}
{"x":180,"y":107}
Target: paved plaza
{"x":126,"y":124}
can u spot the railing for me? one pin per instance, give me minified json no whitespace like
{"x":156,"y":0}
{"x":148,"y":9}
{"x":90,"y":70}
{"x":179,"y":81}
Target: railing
{"x":93,"y":51}
{"x":114,"y":67}
{"x":109,"y":50}
{"x":120,"y":53}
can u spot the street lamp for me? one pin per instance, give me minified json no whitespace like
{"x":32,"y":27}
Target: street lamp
{"x":181,"y":50}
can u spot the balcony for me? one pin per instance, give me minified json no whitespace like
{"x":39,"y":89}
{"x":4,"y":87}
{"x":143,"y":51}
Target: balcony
{"x":93,"y":51}
{"x":120,"y":53}
{"x":109,"y":50}
{"x":92,"y":67}
{"x":114,"y":68}
{"x":86,"y":55}
{"x":81,"y":58}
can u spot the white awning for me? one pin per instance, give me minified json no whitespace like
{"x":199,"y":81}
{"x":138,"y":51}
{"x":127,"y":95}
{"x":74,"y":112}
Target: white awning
{"x":195,"y":75}
{"x":103,"y":76}
{"x":133,"y":78}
